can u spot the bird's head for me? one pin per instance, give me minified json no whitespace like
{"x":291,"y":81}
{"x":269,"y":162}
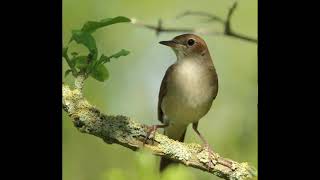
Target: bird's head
{"x":187,"y":46}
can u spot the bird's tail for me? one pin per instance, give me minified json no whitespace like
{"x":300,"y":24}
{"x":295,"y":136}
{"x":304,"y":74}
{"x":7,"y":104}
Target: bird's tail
{"x":176,"y":134}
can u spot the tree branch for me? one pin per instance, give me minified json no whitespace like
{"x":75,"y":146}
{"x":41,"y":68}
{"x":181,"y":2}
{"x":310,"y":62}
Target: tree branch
{"x":228,"y":31}
{"x":159,"y":29}
{"x":126,"y":132}
{"x":211,"y":17}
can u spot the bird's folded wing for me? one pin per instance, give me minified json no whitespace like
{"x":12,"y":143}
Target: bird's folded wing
{"x":163,"y":91}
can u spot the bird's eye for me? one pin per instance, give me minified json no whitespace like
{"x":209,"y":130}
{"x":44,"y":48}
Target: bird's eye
{"x":190,"y":42}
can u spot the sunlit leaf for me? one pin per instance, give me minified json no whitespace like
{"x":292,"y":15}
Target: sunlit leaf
{"x":123,"y":52}
{"x":100,"y":73}
{"x":84,"y":38}
{"x":64,"y":52}
{"x":81,"y":62}
{"x":74,"y":54}
{"x":104,"y":59}
{"x":92,"y":26}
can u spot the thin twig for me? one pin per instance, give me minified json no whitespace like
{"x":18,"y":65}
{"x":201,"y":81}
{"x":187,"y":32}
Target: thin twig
{"x":211,"y":17}
{"x":158,"y":29}
{"x":228,"y":31}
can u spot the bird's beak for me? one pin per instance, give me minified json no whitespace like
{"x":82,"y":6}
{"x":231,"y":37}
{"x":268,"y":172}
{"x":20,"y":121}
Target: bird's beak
{"x":170,"y":43}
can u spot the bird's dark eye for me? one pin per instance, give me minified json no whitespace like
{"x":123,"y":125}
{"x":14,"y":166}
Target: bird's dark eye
{"x":190,"y":42}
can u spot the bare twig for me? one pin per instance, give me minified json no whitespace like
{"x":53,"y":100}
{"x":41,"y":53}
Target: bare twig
{"x":228,"y":31}
{"x":159,"y":27}
{"x":211,"y":17}
{"x":124,"y":131}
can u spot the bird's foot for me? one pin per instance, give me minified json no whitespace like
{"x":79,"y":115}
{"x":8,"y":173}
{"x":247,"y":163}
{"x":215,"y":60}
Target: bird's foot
{"x":212,"y":157}
{"x":151,"y":131}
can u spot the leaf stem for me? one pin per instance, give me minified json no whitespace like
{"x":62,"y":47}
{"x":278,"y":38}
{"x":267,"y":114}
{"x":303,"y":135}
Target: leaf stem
{"x":74,"y":71}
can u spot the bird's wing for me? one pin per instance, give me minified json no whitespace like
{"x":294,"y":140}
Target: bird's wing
{"x":214,"y":81}
{"x":163,"y":91}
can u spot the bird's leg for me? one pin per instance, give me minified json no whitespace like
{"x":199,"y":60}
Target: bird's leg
{"x":152,"y":130}
{"x":206,"y":146}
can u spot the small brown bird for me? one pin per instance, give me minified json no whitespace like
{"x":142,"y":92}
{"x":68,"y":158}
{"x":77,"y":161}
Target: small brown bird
{"x":187,"y":90}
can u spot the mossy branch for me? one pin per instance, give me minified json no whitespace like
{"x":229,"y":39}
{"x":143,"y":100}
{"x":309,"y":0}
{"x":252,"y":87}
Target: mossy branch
{"x":126,"y":132}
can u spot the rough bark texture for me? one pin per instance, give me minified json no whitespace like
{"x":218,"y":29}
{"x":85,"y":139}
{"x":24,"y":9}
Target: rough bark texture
{"x":126,"y":132}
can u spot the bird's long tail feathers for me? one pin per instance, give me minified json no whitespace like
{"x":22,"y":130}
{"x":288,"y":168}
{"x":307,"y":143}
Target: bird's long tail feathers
{"x":176,"y":134}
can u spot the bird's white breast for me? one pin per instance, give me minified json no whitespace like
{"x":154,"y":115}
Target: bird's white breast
{"x":188,"y":96}
{"x":191,"y":83}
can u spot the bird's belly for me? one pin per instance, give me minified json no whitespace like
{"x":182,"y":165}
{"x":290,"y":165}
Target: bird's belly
{"x":178,"y":111}
{"x":189,"y":96}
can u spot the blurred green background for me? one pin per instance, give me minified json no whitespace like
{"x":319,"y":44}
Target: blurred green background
{"x":132,"y":89}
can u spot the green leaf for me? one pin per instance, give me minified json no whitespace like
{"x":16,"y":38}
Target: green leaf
{"x":123,"y":52}
{"x":84,"y":38}
{"x":66,"y":57}
{"x":65,"y":52}
{"x":100,"y":73}
{"x":92,"y":26}
{"x":74,"y":54}
{"x":104,"y":59}
{"x":67,"y":72}
{"x":81,"y":62}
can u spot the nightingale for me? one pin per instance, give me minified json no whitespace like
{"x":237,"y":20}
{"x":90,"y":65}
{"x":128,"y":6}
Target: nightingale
{"x":187,"y":90}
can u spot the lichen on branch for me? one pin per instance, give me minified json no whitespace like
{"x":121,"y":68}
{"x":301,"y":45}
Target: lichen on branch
{"x":126,"y":132}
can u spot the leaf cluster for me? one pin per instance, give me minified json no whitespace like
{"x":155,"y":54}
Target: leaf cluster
{"x":91,"y":65}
